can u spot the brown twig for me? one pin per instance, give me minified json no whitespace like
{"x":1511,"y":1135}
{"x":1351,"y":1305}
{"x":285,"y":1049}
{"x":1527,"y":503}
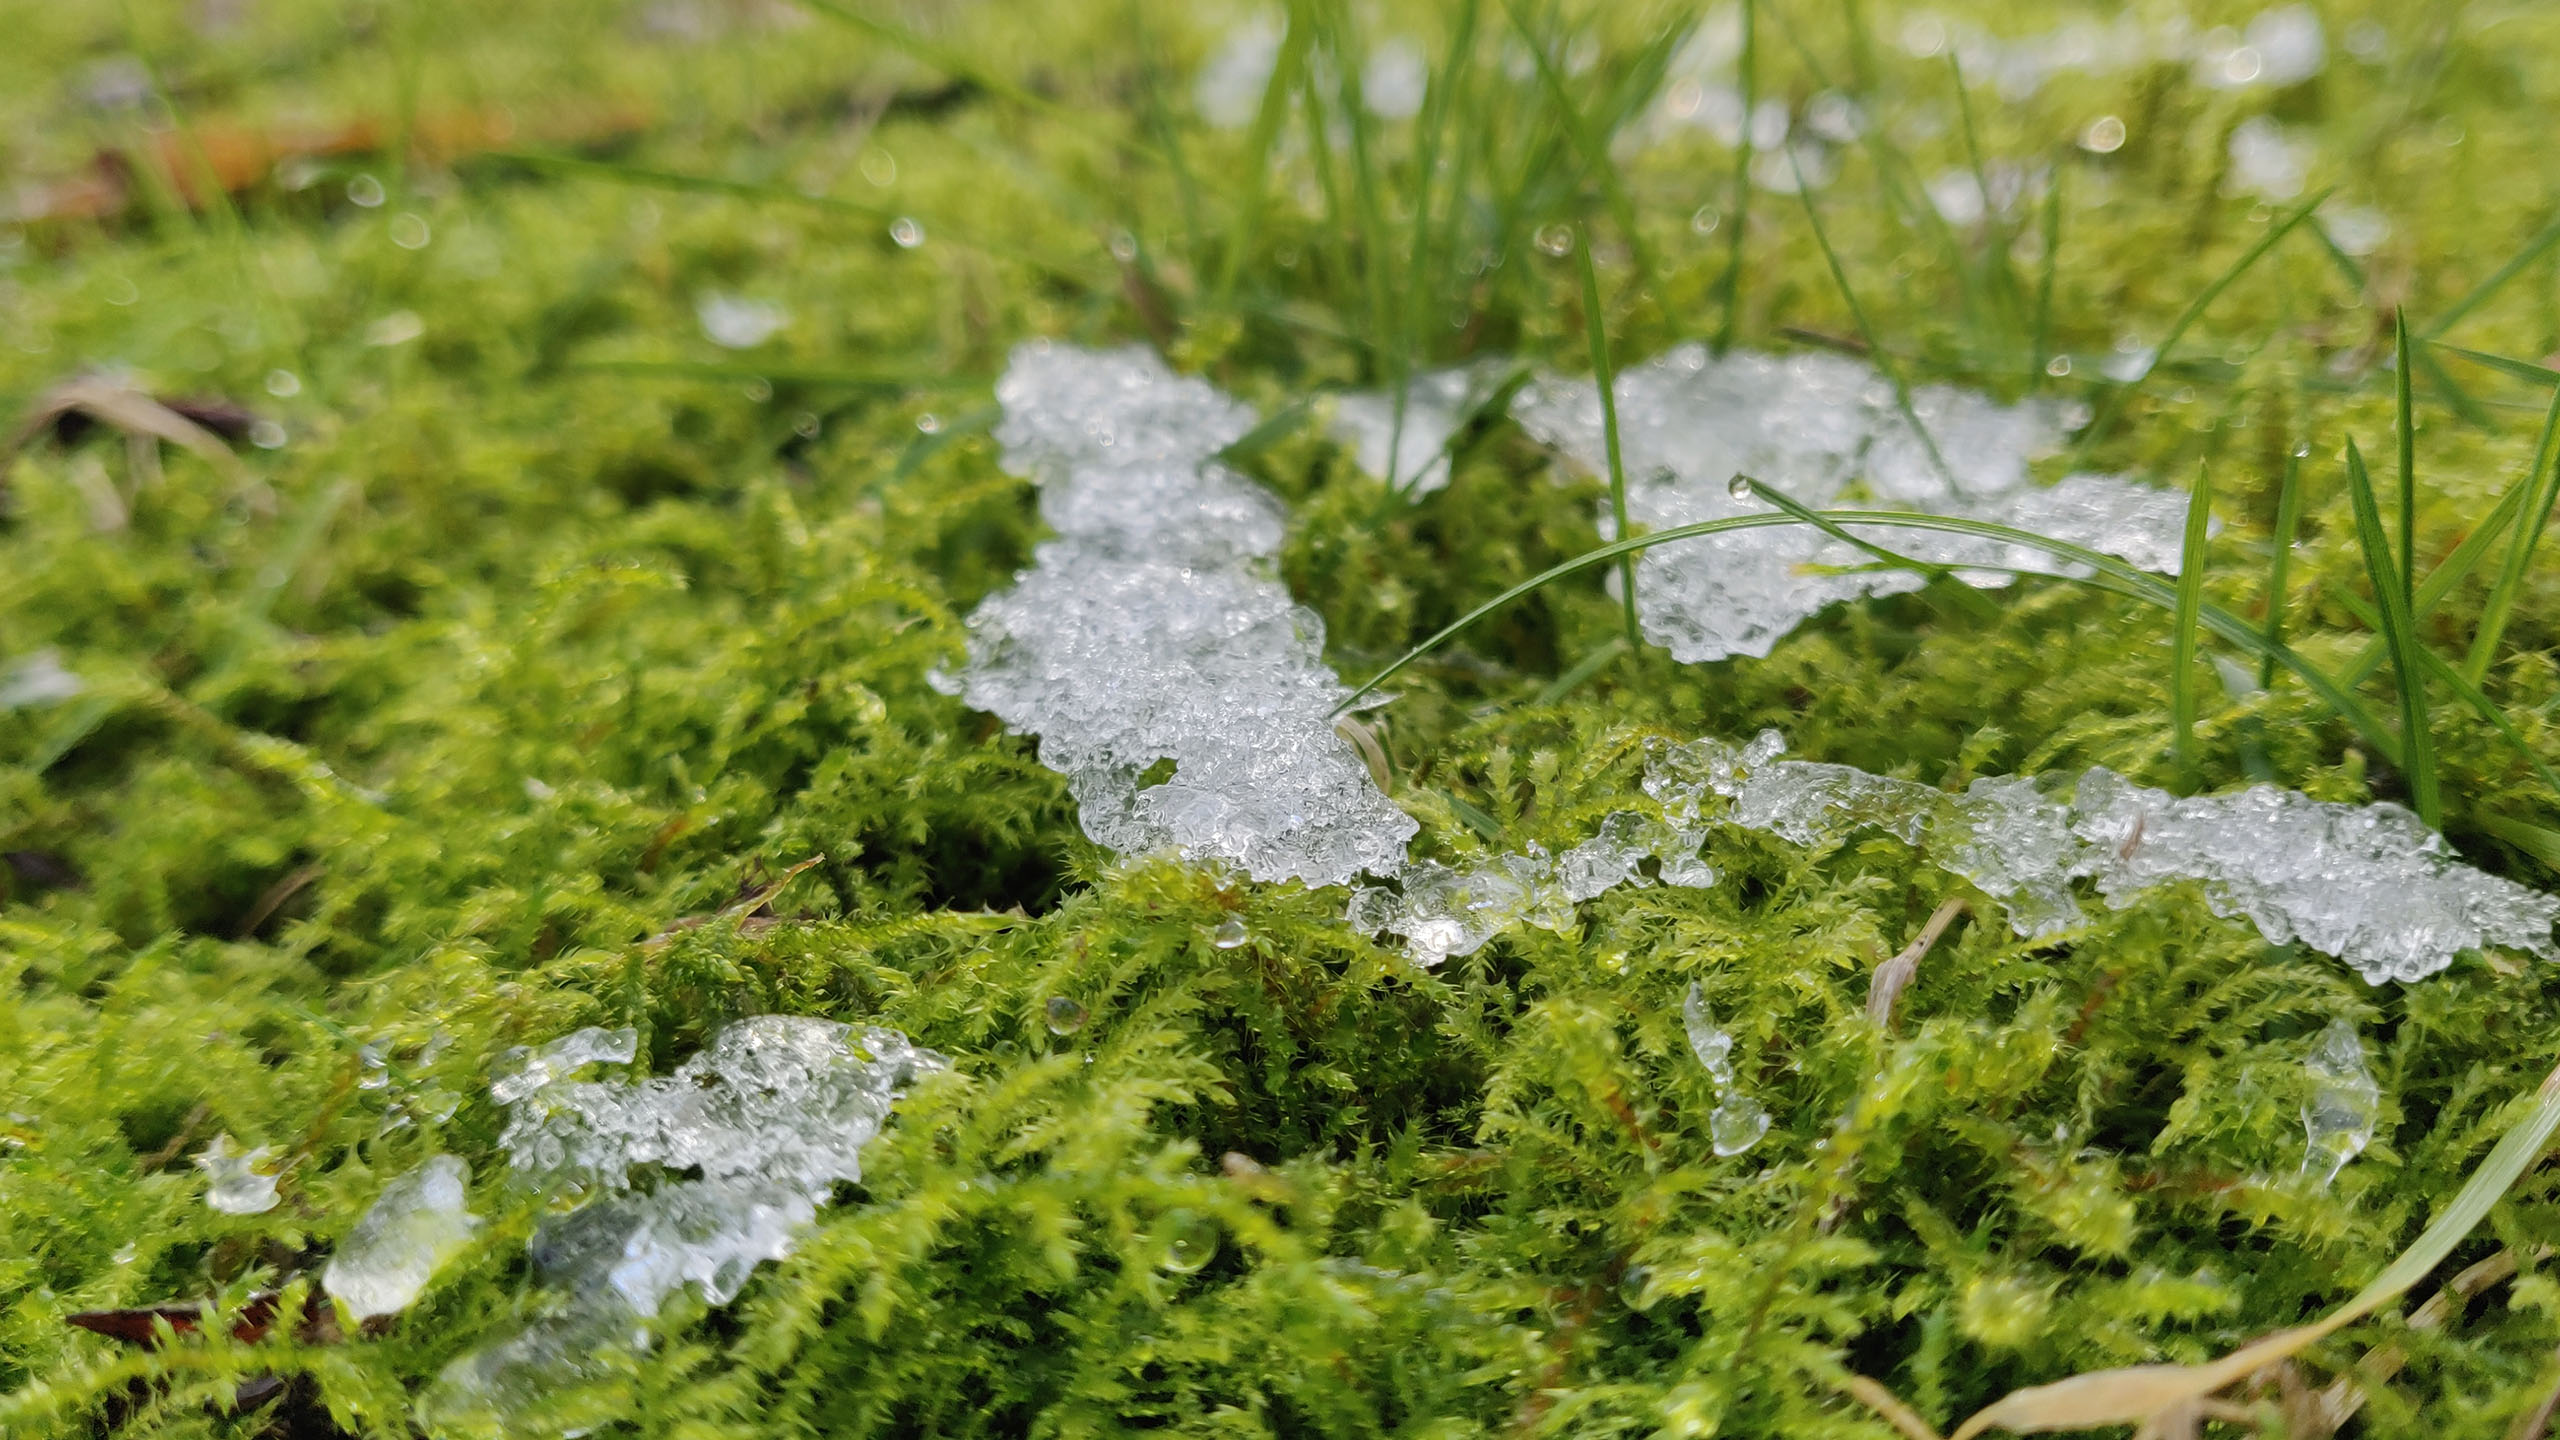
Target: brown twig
{"x":1887,"y":1405}
{"x":1894,"y":975}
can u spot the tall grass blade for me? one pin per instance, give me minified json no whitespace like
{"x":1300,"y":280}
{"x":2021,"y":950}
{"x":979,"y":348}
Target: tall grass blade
{"x":2182,"y":663}
{"x":2040,"y":349}
{"x":2399,"y":628}
{"x":2408,"y":436}
{"x":2117,"y":395}
{"x":1594,"y":149}
{"x":2469,"y":694}
{"x":2480,"y":293}
{"x":1601,"y":375}
{"x":1738,"y":224}
{"x":2542,"y":488}
{"x":2279,"y":566}
{"x":2443,"y":580}
{"x":1259,"y":145}
{"x":1875,"y":347}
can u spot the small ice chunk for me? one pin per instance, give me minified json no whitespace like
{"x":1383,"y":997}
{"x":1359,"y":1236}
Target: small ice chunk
{"x":523,"y":1070}
{"x":1396,"y":79}
{"x":1415,"y":458}
{"x":734,"y":322}
{"x":1738,"y":1121}
{"x":1713,"y":1047}
{"x":37,"y":679}
{"x":2281,"y":46}
{"x":420,"y":1221}
{"x":236,"y":1183}
{"x":2338,"y":1119}
{"x":2356,"y":229}
{"x":1443,"y":911}
{"x":2266,"y":162}
{"x":1228,"y":92}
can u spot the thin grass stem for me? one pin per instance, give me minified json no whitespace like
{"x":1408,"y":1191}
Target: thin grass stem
{"x":1597,"y":324}
{"x":2182,"y":663}
{"x":1875,"y":346}
{"x":2288,"y":524}
{"x":2400,"y":629}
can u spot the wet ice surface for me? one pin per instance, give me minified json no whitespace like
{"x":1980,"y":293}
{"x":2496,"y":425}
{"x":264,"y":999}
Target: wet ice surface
{"x":36,"y":679}
{"x":420,"y":1221}
{"x":2337,"y":1121}
{"x":2369,"y":884}
{"x":1810,"y":425}
{"x":237,"y":1181}
{"x":1442,"y":912}
{"x":769,"y":1117}
{"x":1738,"y":1121}
{"x":523,"y":1070}
{"x":1436,"y":405}
{"x":2280,"y":46}
{"x":736,"y":323}
{"x":1153,"y":629}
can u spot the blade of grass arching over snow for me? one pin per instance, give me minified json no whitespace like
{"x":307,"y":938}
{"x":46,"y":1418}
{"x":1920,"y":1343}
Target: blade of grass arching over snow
{"x":2149,"y":1395}
{"x":1594,"y":149}
{"x":1942,"y":578}
{"x":2479,"y":294}
{"x":2112,"y":575}
{"x":2182,"y":640}
{"x":2407,"y":428}
{"x":2542,"y":488}
{"x":1597,"y":324}
{"x":1729,"y":286}
{"x":1882,"y":358}
{"x":2118,"y":394}
{"x":1260,"y":143}
{"x":2399,"y":628}
{"x":2279,"y":564}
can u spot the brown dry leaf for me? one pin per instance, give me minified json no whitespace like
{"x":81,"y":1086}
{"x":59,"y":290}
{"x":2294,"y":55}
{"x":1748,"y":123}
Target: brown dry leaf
{"x":116,"y":403}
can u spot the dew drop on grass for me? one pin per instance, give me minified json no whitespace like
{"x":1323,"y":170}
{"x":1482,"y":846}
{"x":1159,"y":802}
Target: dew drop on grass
{"x":1739,"y":487}
{"x":2058,"y":366}
{"x":1186,"y":1240}
{"x":1705,"y":220}
{"x":366,"y":191}
{"x":1065,"y":1016}
{"x":1230,"y":934}
{"x":1556,"y":240}
{"x":409,"y":231}
{"x":907,"y":232}
{"x":283,"y":384}
{"x":929,"y":423}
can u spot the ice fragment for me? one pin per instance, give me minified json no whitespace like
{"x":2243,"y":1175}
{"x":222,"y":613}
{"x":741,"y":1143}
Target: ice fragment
{"x":1443,"y":912}
{"x":37,"y":679}
{"x":238,"y":1186}
{"x":736,"y":323}
{"x":1738,"y":1121}
{"x":1152,"y":629}
{"x":418,"y":1223}
{"x":2337,"y":1121}
{"x":1414,"y":459}
{"x":523,"y":1070}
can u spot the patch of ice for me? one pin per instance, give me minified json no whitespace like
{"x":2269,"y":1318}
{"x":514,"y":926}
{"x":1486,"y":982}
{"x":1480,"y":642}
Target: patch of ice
{"x":420,"y":1221}
{"x":770,"y":1115}
{"x":1396,"y":79}
{"x":1810,"y":425}
{"x":523,"y":1070}
{"x":1414,"y":458}
{"x":236,"y":1185}
{"x":2338,"y":1119}
{"x":1443,"y":912}
{"x":2366,"y":883}
{"x":734,"y":322}
{"x":1152,"y":629}
{"x":1228,"y":92}
{"x":1738,"y":1121}
{"x":36,"y":679}
{"x":2266,"y":162}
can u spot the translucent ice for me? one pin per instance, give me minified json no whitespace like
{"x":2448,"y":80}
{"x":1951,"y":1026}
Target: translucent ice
{"x":2266,"y":162}
{"x":1812,"y":426}
{"x":1738,"y":1121}
{"x":735,"y":323}
{"x":236,"y":1183}
{"x":1152,"y":629}
{"x":1228,"y":92}
{"x":2366,"y":883}
{"x":2337,"y":1121}
{"x":1436,"y":404}
{"x":1443,"y":912}
{"x":767,"y":1117}
{"x":36,"y":679}
{"x":418,"y":1223}
{"x":522,"y":1070}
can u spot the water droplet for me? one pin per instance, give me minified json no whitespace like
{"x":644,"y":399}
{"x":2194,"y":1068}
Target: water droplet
{"x":1739,"y":487}
{"x":1188,"y":1240}
{"x":121,"y":291}
{"x":283,"y":384}
{"x":1555,"y":240}
{"x":759,"y":390}
{"x":365,"y":191}
{"x":2058,"y":366}
{"x":1635,"y":1287}
{"x":2105,"y":136}
{"x":1124,"y":247}
{"x":879,"y":167}
{"x":929,"y":423}
{"x":1230,"y":935}
{"x":1065,"y":1016}
{"x":409,"y":231}
{"x":906,"y":232}
{"x":267,"y":435}
{"x":1706,"y":219}
{"x":125,"y":1253}
{"x":805,"y":425}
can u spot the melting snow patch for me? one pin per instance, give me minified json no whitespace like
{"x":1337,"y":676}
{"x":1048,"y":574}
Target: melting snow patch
{"x":1152,"y":629}
{"x":238,"y":1183}
{"x":1412,"y":453}
{"x":1443,"y":912}
{"x":37,"y":679}
{"x":1810,"y":425}
{"x":420,"y":1221}
{"x":770,"y":1115}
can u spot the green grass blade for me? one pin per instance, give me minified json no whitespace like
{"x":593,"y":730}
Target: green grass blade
{"x":2408,"y":436}
{"x":1601,"y":375}
{"x":2442,"y":580}
{"x":1875,"y":347}
{"x":2534,"y":840}
{"x":2400,"y":630}
{"x":2541,"y":489}
{"x":1729,"y":286}
{"x":2040,"y":349}
{"x":1582,"y":671}
{"x":1941,"y":577}
{"x":2117,"y":395}
{"x":2182,"y":663}
{"x":2521,"y":369}
{"x":1260,"y":143}
{"x":2480,"y":293}
{"x":2279,"y":566}
{"x":1595,"y":155}
{"x":2451,"y":679}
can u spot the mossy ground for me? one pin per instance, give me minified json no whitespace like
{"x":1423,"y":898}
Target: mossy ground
{"x":532,"y":663}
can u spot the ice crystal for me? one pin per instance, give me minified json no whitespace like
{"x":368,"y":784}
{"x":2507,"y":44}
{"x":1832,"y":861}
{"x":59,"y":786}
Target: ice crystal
{"x":2337,"y":1121}
{"x":1152,"y":629}
{"x":37,"y":679}
{"x":237,"y":1183}
{"x":736,"y":323}
{"x":1738,"y":1121}
{"x":1443,"y":912}
{"x":418,"y":1223}
{"x":1414,"y":457}
{"x":2369,"y":884}
{"x":2266,"y":162}
{"x":524,"y":1070}
{"x":1812,"y":426}
{"x":768,"y":1116}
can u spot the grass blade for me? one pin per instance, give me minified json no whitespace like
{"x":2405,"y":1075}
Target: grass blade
{"x":2469,"y":694}
{"x":2288,"y":522}
{"x":2039,"y":350}
{"x":2521,"y":369}
{"x":2400,"y":630}
{"x":2498,"y":278}
{"x":1729,"y":286}
{"x":2542,"y":487}
{"x":1259,"y":145}
{"x":2117,"y":395}
{"x":2408,"y":462}
{"x":2182,"y":663}
{"x":1595,"y":156}
{"x":1600,"y":375}
{"x":1875,"y":347}
{"x":1583,"y":669}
